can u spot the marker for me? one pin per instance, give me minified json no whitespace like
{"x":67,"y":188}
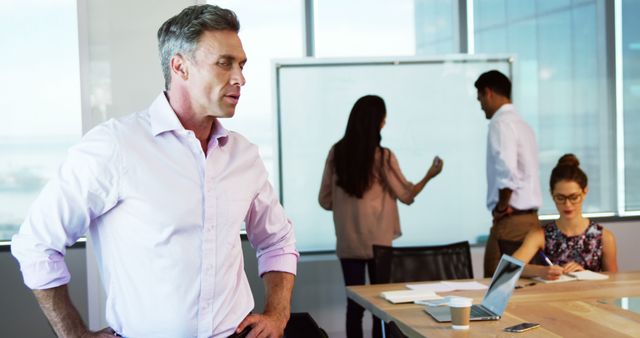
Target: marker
{"x":546,"y":259}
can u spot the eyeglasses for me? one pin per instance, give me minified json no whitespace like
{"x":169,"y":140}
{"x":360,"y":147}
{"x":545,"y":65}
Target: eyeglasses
{"x":573,"y":198}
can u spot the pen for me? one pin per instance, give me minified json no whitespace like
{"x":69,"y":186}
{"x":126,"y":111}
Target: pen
{"x":546,"y":259}
{"x":523,"y":286}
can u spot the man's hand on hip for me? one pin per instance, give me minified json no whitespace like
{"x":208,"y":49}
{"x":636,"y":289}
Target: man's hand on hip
{"x":104,"y":333}
{"x":264,"y":326}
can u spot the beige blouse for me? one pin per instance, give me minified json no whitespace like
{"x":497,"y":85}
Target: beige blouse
{"x":372,"y":219}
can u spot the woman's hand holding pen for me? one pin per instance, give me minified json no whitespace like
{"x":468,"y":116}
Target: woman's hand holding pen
{"x":552,"y":272}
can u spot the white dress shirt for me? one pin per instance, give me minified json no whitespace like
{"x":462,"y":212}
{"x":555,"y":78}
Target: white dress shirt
{"x":512,"y":160}
{"x":165,"y":220}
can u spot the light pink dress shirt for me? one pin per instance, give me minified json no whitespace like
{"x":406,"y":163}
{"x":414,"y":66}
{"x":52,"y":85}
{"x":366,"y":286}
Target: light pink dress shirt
{"x":372,"y":219}
{"x":166,"y":221}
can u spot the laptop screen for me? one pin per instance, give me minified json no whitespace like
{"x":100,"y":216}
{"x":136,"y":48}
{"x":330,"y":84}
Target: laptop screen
{"x":502,"y":284}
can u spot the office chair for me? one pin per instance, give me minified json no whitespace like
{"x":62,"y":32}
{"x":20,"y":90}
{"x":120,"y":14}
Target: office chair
{"x":509,"y":247}
{"x":421,"y":263}
{"x":302,"y":325}
{"x":394,"y":331}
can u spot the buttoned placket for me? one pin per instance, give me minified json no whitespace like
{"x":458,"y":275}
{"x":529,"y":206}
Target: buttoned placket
{"x":208,"y":254}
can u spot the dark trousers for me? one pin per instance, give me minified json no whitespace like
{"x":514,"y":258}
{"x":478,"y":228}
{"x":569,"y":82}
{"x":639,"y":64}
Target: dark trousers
{"x":353,"y":271}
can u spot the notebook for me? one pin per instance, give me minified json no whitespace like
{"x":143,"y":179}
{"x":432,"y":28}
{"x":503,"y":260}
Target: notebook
{"x":576,"y":275}
{"x":406,"y":296}
{"x":495,"y":299}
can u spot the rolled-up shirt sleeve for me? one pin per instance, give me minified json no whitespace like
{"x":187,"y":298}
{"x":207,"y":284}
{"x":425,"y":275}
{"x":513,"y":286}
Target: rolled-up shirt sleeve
{"x":271,"y":233}
{"x":325,"y":197}
{"x":504,"y":151}
{"x":84,"y":188}
{"x":399,"y":185}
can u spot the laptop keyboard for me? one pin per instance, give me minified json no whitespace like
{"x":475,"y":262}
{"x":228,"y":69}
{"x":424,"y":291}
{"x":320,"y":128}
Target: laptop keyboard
{"x":477,"y":311}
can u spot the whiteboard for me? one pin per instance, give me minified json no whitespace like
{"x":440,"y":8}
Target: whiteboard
{"x":431,"y":110}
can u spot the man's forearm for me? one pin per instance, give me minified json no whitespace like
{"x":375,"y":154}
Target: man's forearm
{"x":63,"y":316}
{"x":278,"y":287}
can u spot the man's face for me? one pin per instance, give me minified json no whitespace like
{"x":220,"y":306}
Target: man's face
{"x":215,"y":74}
{"x":484,"y":97}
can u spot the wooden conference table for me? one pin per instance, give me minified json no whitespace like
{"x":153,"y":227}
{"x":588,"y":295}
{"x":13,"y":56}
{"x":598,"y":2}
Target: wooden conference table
{"x":570,"y":309}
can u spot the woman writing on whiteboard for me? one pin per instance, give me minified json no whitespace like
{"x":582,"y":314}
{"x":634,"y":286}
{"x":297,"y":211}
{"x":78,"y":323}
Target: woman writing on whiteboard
{"x":361,"y":184}
{"x":573,"y":242}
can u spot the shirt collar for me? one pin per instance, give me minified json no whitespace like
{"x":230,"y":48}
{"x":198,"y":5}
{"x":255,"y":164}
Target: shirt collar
{"x":163,"y":118}
{"x":220,"y":134}
{"x":503,"y":110}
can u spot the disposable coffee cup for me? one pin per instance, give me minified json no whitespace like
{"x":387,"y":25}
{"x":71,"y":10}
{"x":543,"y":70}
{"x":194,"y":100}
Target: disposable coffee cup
{"x":460,"y":312}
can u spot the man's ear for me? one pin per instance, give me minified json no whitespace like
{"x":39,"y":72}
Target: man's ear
{"x":179,"y":66}
{"x":488,"y":92}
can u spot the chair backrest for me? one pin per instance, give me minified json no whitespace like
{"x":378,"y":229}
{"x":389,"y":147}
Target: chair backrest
{"x":509,"y":247}
{"x":394,"y":331}
{"x":301,"y":324}
{"x":421,"y":263}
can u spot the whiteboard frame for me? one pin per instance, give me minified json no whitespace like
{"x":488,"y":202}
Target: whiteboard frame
{"x":280,"y":64}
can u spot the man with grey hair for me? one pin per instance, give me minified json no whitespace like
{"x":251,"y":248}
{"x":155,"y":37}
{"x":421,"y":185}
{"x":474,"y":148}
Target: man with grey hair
{"x":164,"y":193}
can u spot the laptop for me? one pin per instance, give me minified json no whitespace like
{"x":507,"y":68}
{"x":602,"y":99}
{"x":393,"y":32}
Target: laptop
{"x":495,"y":299}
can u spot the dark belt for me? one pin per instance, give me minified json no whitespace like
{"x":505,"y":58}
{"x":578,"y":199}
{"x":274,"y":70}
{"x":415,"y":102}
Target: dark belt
{"x":523,"y":212}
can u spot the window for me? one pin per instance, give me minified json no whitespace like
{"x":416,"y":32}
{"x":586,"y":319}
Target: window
{"x":40,"y":90}
{"x":437,"y":27}
{"x":269,"y":30}
{"x":561,"y":68}
{"x":364,"y":28}
{"x":631,"y":95}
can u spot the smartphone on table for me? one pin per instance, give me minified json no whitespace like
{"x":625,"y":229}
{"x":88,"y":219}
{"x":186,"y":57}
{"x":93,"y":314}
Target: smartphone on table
{"x":522,"y":327}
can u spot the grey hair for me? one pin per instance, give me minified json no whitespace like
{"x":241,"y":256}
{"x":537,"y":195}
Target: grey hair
{"x":181,"y":33}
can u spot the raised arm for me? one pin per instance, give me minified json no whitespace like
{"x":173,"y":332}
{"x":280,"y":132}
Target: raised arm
{"x":434,"y":170}
{"x":399,"y":185}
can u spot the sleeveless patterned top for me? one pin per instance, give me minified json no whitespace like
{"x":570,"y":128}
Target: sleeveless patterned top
{"x":584,"y":249}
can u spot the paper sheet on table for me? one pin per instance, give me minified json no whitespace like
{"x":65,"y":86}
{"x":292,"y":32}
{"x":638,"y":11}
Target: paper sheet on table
{"x":435,"y":287}
{"x":588,"y":275}
{"x":473,"y":285}
{"x":447,"y":286}
{"x":406,"y":296}
{"x":576,"y":275}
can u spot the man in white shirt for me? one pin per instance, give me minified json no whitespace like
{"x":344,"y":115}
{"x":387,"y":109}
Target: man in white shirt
{"x":164,"y":193}
{"x":513,"y":179}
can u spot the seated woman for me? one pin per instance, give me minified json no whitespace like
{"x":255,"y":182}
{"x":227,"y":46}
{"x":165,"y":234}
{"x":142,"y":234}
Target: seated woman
{"x":572,"y":243}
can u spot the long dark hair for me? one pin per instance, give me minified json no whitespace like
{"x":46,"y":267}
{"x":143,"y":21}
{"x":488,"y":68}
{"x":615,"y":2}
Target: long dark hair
{"x":354,"y":154}
{"x":568,"y":169}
